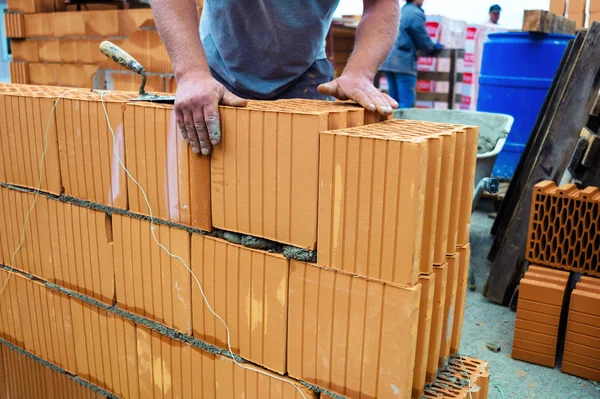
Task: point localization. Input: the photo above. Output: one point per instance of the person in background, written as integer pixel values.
(400, 67)
(494, 15)
(267, 50)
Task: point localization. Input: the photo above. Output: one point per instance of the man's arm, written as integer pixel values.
(418, 32)
(198, 93)
(375, 36)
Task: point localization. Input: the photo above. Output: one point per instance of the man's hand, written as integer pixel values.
(360, 89)
(197, 110)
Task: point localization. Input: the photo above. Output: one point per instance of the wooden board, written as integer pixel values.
(541, 21)
(548, 153)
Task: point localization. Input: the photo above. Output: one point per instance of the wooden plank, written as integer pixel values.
(552, 101)
(541, 21)
(549, 160)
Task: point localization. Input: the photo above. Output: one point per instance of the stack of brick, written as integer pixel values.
(564, 234)
(582, 342)
(581, 11)
(298, 178)
(53, 46)
(541, 296)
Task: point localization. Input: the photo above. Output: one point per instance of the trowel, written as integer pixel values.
(121, 57)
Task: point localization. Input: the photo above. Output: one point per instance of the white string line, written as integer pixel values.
(152, 228)
(468, 376)
(37, 190)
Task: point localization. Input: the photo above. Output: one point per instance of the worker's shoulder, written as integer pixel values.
(412, 11)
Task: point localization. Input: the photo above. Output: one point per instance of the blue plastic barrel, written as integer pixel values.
(516, 72)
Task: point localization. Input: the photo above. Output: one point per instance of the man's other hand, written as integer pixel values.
(361, 90)
(197, 110)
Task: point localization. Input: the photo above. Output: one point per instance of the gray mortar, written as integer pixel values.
(492, 127)
(160, 328)
(290, 252)
(54, 367)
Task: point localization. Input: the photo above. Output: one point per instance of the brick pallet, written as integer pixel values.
(88, 246)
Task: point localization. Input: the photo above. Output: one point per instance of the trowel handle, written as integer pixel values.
(122, 58)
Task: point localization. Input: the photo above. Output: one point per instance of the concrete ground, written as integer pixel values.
(485, 322)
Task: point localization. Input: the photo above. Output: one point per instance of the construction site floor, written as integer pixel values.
(488, 323)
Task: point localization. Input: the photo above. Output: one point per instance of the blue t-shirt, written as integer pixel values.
(261, 46)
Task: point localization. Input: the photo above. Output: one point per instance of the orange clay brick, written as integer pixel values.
(24, 120)
(44, 74)
(176, 181)
(123, 81)
(89, 157)
(360, 210)
(461, 297)
(563, 228)
(84, 51)
(582, 360)
(25, 50)
(549, 271)
(584, 318)
(580, 349)
(580, 371)
(457, 187)
(268, 186)
(336, 225)
(437, 321)
(28, 311)
(14, 25)
(19, 72)
(23, 377)
(585, 302)
(145, 46)
(64, 244)
(449, 308)
(424, 333)
(248, 288)
(101, 23)
(533, 357)
(467, 186)
(533, 346)
(450, 383)
(130, 20)
(382, 329)
(537, 327)
(69, 24)
(540, 291)
(148, 281)
(49, 50)
(541, 338)
(234, 382)
(39, 25)
(170, 368)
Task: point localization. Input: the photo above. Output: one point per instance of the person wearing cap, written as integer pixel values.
(494, 15)
(400, 67)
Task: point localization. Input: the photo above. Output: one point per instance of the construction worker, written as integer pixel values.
(266, 49)
(494, 16)
(400, 67)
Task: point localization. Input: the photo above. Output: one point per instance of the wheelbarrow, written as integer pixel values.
(493, 130)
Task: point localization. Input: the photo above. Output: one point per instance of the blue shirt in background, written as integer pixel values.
(260, 47)
(412, 37)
